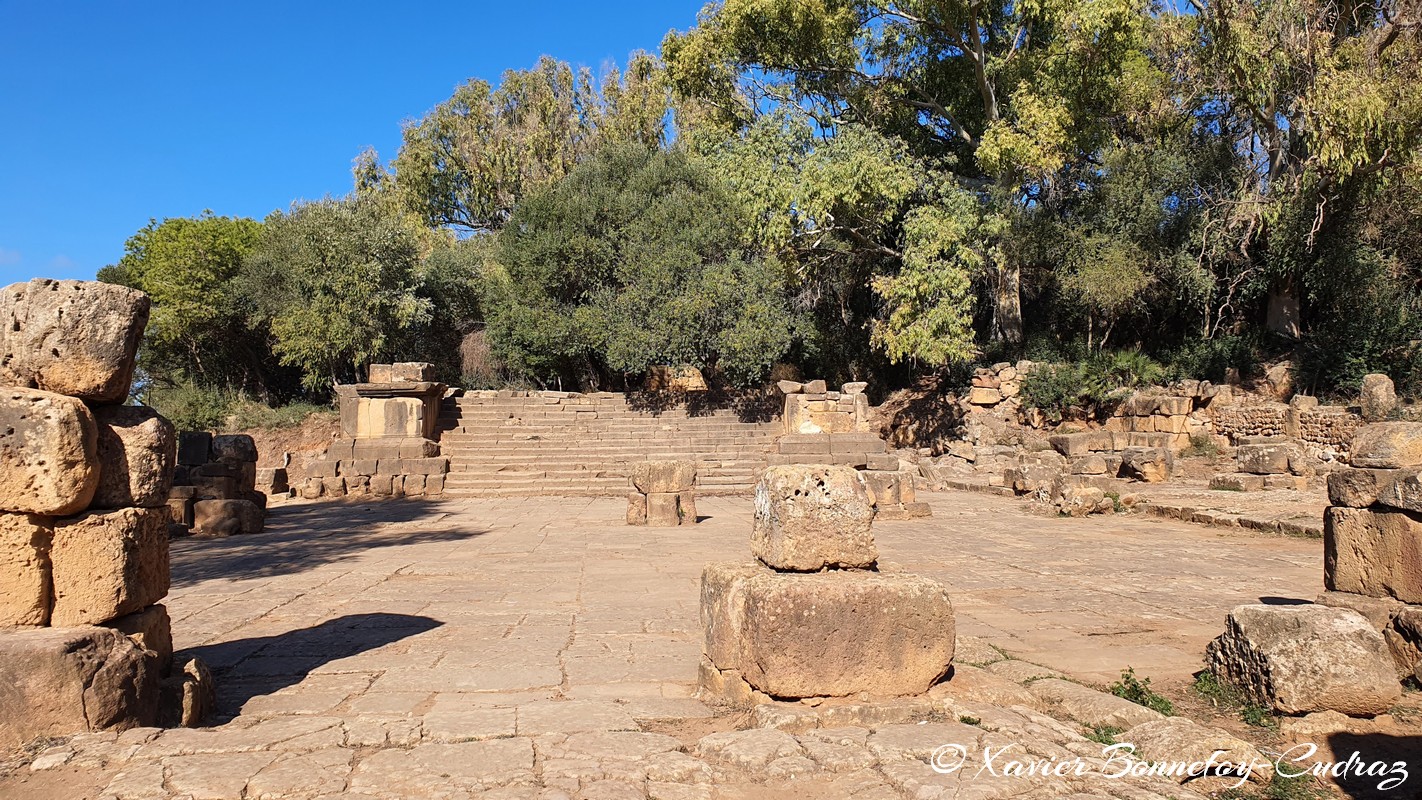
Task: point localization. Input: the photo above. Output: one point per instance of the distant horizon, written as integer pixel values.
(140, 114)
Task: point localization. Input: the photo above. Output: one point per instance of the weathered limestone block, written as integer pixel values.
(1387, 445)
(238, 447)
(663, 476)
(832, 633)
(984, 396)
(1264, 459)
(188, 696)
(816, 387)
(664, 509)
(1237, 482)
(1404, 639)
(48, 453)
(884, 488)
(273, 480)
(1358, 488)
(180, 504)
(108, 563)
(854, 387)
(1180, 740)
(137, 450)
(227, 517)
(1031, 478)
(902, 511)
(687, 501)
(1147, 464)
(58, 681)
(1378, 397)
(1296, 482)
(24, 570)
(1403, 490)
(76, 338)
(1301, 659)
(636, 508)
(1373, 552)
(808, 517)
(150, 629)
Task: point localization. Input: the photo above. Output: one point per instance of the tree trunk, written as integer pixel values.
(1007, 304)
(1284, 315)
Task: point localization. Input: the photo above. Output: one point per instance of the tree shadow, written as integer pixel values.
(1390, 756)
(301, 537)
(248, 668)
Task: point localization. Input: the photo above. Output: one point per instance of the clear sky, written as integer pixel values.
(112, 112)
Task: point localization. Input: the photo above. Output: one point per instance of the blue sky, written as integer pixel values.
(115, 112)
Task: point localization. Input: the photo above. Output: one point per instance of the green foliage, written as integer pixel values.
(335, 280)
(1138, 691)
(1092, 382)
(634, 259)
(1223, 695)
(1104, 734)
(1202, 445)
(191, 407)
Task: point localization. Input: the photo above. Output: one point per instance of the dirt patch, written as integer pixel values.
(302, 441)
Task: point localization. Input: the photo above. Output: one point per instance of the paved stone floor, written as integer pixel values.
(538, 647)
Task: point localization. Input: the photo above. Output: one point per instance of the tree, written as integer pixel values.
(198, 330)
(636, 258)
(999, 95)
(336, 281)
(468, 162)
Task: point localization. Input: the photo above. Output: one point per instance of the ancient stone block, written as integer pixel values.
(1404, 639)
(358, 484)
(1387, 445)
(811, 517)
(1147, 464)
(188, 696)
(1263, 459)
(663, 476)
(333, 487)
(984, 396)
(413, 485)
(380, 373)
(815, 387)
(411, 371)
(150, 629)
(194, 448)
(1301, 659)
(108, 563)
(238, 447)
(1358, 488)
(636, 508)
(215, 487)
(434, 485)
(854, 387)
(180, 509)
(59, 681)
(789, 387)
(1378, 397)
(425, 466)
(24, 570)
(1088, 465)
(273, 480)
(1295, 482)
(76, 338)
(882, 487)
(321, 468)
(827, 634)
(137, 449)
(687, 502)
(227, 517)
(856, 442)
(1237, 482)
(902, 511)
(663, 509)
(48, 450)
(1379, 611)
(1373, 552)
(312, 488)
(804, 444)
(362, 466)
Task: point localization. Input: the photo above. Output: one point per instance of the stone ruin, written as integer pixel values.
(813, 615)
(215, 485)
(824, 427)
(85, 643)
(387, 446)
(1267, 462)
(663, 494)
(1350, 650)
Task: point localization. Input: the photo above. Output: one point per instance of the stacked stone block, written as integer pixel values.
(812, 615)
(1166, 415)
(1349, 651)
(215, 485)
(387, 449)
(663, 494)
(84, 642)
(1142, 456)
(1324, 428)
(811, 408)
(1266, 462)
(996, 384)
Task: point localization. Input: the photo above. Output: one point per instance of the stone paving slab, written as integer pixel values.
(541, 648)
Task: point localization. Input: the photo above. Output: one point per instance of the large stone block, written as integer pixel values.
(1301, 659)
(58, 681)
(1402, 490)
(1387, 445)
(1147, 464)
(108, 563)
(150, 629)
(833, 633)
(1358, 488)
(663, 476)
(48, 453)
(1263, 459)
(227, 517)
(24, 570)
(1373, 552)
(238, 447)
(75, 338)
(664, 509)
(808, 517)
(1378, 397)
(137, 451)
(194, 448)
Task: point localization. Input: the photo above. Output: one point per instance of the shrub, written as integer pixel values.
(1138, 691)
(1095, 382)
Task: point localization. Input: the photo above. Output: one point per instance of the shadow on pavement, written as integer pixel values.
(301, 537)
(1380, 757)
(247, 668)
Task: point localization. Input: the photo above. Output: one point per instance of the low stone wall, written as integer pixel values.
(1329, 427)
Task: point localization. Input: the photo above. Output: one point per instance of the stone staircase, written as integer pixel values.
(563, 443)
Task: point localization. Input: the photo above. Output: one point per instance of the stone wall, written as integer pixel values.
(1324, 427)
(85, 643)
